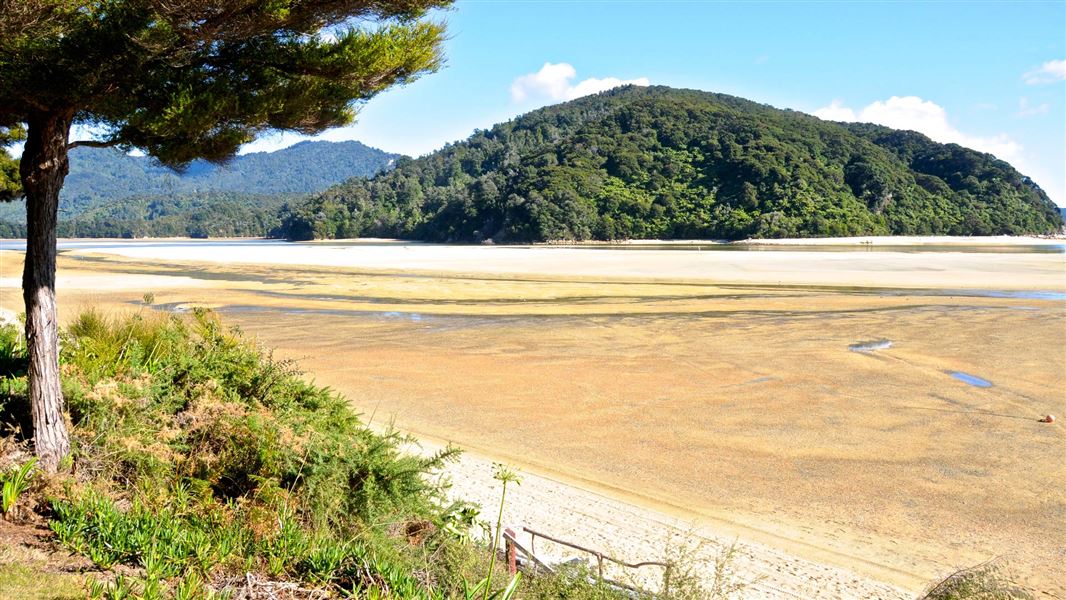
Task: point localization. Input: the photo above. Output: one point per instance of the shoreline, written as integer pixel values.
(884, 240)
(791, 266)
(635, 528)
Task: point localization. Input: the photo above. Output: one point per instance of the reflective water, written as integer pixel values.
(85, 244)
(871, 346)
(970, 379)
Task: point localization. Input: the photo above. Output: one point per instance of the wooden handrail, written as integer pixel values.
(600, 557)
(597, 553)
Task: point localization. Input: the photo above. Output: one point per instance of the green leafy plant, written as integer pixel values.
(122, 588)
(505, 476)
(481, 588)
(15, 482)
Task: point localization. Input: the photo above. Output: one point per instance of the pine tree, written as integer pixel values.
(179, 80)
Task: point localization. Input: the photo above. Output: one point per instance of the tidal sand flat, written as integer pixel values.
(720, 388)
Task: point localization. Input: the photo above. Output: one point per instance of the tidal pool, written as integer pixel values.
(871, 346)
(970, 379)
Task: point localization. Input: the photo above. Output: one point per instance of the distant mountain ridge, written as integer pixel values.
(657, 162)
(101, 179)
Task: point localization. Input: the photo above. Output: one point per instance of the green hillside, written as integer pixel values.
(670, 164)
(207, 215)
(102, 181)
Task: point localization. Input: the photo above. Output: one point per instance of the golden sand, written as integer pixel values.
(718, 388)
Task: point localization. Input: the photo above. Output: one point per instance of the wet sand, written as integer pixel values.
(716, 387)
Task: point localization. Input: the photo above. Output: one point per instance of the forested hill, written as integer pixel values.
(243, 195)
(664, 163)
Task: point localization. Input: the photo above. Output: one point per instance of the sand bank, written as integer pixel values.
(1013, 271)
(914, 240)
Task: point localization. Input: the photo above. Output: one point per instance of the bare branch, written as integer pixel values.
(92, 144)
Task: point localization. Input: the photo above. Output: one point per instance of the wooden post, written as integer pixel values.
(512, 555)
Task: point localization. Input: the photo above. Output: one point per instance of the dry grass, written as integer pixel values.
(30, 571)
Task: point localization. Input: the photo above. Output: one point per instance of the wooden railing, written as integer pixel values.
(513, 546)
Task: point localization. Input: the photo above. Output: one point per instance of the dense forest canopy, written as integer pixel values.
(664, 163)
(205, 215)
(112, 194)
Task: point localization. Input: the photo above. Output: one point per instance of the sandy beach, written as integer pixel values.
(795, 266)
(649, 392)
(635, 533)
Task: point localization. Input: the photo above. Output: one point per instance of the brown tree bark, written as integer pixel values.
(43, 168)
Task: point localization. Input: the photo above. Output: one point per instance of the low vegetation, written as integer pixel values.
(987, 581)
(204, 468)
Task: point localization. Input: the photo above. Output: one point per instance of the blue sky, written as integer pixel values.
(989, 75)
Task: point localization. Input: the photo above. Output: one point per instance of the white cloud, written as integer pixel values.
(836, 111)
(1028, 110)
(556, 82)
(551, 80)
(1049, 72)
(595, 86)
(923, 116)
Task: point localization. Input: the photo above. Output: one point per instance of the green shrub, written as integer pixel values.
(198, 456)
(166, 399)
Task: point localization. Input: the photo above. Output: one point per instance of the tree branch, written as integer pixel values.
(91, 144)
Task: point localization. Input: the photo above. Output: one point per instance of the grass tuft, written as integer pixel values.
(987, 581)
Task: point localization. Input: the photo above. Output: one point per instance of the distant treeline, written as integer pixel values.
(112, 194)
(212, 215)
(665, 163)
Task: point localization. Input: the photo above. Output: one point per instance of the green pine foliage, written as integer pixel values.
(673, 164)
(191, 79)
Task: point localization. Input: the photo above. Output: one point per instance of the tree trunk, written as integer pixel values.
(43, 168)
